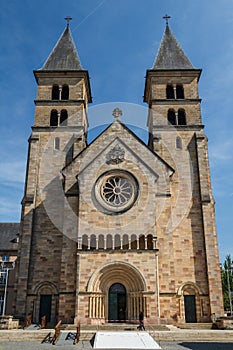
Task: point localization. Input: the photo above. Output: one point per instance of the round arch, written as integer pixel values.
(99, 290)
(120, 272)
(190, 302)
(45, 287)
(188, 287)
(45, 302)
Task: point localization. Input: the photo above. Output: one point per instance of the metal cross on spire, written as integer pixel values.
(166, 17)
(68, 19)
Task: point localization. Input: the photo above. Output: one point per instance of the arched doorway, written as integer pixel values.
(117, 303)
(45, 303)
(190, 303)
(129, 287)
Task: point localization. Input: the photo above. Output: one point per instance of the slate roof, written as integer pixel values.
(170, 54)
(9, 233)
(64, 55)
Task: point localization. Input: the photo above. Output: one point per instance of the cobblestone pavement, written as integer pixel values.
(165, 346)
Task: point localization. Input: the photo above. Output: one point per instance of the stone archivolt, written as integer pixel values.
(106, 276)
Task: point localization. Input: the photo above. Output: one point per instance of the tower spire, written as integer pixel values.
(170, 54)
(64, 56)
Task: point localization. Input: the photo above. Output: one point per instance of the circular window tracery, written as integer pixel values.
(116, 191)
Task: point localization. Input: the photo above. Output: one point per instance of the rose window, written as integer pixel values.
(116, 191)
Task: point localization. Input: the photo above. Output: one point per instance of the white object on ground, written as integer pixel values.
(124, 340)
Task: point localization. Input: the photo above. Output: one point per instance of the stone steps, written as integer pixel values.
(114, 327)
(25, 335)
(84, 336)
(173, 335)
(195, 326)
(187, 335)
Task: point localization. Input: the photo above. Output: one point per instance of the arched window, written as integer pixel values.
(54, 118)
(150, 242)
(84, 242)
(171, 117)
(117, 242)
(57, 143)
(109, 242)
(170, 92)
(142, 242)
(178, 142)
(55, 92)
(133, 242)
(179, 92)
(125, 242)
(63, 118)
(93, 242)
(181, 117)
(101, 242)
(65, 92)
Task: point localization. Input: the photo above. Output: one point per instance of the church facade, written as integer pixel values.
(117, 226)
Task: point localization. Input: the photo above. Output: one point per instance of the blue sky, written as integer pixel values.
(117, 41)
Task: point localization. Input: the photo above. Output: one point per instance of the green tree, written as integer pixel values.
(227, 282)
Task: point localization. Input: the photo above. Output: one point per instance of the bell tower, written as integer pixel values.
(176, 133)
(58, 135)
(63, 91)
(171, 91)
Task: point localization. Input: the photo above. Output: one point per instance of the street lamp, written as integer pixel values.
(6, 266)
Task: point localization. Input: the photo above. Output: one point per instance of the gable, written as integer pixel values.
(118, 134)
(117, 174)
(117, 177)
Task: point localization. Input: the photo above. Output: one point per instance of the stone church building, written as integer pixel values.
(117, 226)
